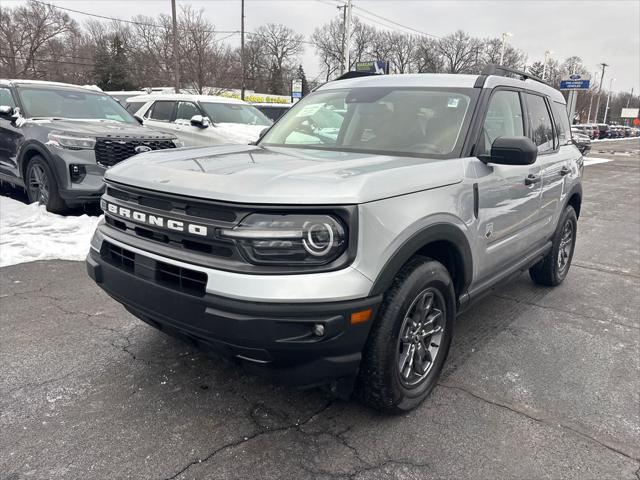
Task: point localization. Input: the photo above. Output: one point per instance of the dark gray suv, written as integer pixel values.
(57, 140)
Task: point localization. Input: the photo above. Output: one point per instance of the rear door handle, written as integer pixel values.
(532, 179)
(565, 171)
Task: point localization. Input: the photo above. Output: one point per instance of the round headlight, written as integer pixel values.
(318, 238)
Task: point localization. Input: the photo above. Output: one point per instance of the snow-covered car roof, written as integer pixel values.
(183, 96)
(45, 83)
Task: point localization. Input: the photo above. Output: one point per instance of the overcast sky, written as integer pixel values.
(595, 30)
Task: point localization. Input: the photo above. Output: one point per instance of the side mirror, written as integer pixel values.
(263, 132)
(138, 118)
(6, 111)
(513, 151)
(200, 121)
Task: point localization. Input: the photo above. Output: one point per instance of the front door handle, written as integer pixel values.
(565, 171)
(531, 179)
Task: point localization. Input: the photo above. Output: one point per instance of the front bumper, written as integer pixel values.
(274, 339)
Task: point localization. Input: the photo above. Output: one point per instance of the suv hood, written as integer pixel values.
(254, 174)
(97, 128)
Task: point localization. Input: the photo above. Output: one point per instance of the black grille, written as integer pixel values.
(171, 276)
(110, 151)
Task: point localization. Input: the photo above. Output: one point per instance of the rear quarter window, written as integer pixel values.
(562, 123)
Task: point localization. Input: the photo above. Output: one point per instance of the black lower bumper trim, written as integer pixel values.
(273, 339)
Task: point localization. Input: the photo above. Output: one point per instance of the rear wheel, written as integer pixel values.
(553, 268)
(410, 340)
(42, 186)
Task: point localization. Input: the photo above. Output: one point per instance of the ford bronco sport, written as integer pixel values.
(339, 251)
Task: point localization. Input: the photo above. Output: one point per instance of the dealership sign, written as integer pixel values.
(375, 66)
(296, 89)
(574, 82)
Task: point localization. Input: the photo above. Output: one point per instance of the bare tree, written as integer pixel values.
(25, 32)
(426, 56)
(402, 53)
(282, 47)
(492, 49)
(460, 53)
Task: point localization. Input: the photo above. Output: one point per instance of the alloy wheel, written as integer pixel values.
(420, 337)
(38, 184)
(566, 245)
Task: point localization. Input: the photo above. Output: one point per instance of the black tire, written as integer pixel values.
(552, 269)
(380, 383)
(42, 187)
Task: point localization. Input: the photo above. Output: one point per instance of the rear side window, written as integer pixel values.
(133, 107)
(504, 119)
(562, 123)
(162, 111)
(540, 121)
(6, 99)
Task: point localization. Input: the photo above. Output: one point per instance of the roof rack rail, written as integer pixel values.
(493, 69)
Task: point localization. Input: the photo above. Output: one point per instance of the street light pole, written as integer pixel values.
(606, 110)
(591, 101)
(544, 64)
(504, 44)
(176, 56)
(595, 118)
(242, 61)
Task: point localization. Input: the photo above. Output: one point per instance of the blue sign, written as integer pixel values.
(296, 94)
(574, 85)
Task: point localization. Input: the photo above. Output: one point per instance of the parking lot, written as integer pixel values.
(540, 383)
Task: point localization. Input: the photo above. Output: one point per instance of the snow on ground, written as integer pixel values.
(594, 161)
(29, 232)
(238, 132)
(614, 139)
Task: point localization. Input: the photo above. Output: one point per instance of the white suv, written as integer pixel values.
(200, 120)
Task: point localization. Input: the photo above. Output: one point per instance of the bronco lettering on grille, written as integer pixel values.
(157, 221)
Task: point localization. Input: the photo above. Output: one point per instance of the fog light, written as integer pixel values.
(77, 172)
(318, 330)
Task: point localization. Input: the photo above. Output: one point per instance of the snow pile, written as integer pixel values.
(29, 232)
(239, 132)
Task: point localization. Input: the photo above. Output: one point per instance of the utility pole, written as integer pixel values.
(347, 35)
(176, 55)
(504, 44)
(604, 65)
(344, 33)
(606, 110)
(242, 60)
(544, 64)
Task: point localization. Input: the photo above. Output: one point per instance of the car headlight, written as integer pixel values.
(71, 142)
(289, 239)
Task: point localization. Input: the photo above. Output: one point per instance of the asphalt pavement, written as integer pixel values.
(540, 382)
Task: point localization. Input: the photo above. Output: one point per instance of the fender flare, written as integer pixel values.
(576, 189)
(433, 233)
(33, 145)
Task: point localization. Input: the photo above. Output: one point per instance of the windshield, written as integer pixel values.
(76, 104)
(377, 120)
(235, 113)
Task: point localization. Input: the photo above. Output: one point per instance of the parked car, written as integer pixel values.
(344, 259)
(273, 110)
(588, 129)
(582, 141)
(201, 120)
(57, 140)
(603, 131)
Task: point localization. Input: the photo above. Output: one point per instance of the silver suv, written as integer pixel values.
(339, 249)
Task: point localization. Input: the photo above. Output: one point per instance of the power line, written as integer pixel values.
(419, 32)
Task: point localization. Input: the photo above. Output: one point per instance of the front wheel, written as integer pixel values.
(553, 268)
(410, 339)
(42, 186)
